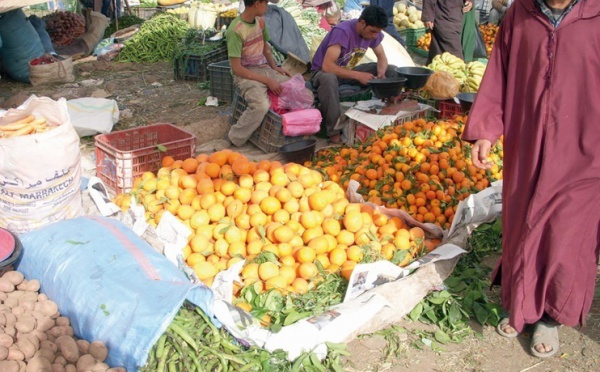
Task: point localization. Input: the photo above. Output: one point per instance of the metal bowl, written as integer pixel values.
(388, 87)
(298, 152)
(466, 100)
(416, 77)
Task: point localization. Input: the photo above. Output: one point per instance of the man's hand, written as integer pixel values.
(429, 25)
(479, 154)
(282, 71)
(364, 77)
(381, 72)
(467, 7)
(274, 86)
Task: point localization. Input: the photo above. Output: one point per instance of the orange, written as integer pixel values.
(212, 170)
(277, 282)
(185, 212)
(305, 254)
(246, 180)
(254, 247)
(242, 194)
(270, 205)
(260, 176)
(267, 270)
(319, 244)
(307, 270)
(283, 234)
(205, 186)
(204, 270)
(318, 200)
(300, 285)
(234, 234)
(296, 189)
(190, 165)
(288, 272)
(417, 233)
(347, 268)
(310, 234)
(234, 208)
(354, 253)
(216, 212)
(308, 220)
(345, 237)
(353, 221)
(186, 196)
(167, 161)
(338, 256)
(236, 248)
(258, 196)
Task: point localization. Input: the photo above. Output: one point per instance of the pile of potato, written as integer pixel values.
(34, 337)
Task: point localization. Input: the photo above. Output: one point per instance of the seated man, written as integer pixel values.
(335, 62)
(254, 69)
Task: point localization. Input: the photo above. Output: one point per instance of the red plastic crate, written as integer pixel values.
(122, 156)
(449, 108)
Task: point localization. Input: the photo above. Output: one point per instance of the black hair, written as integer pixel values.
(375, 16)
(249, 3)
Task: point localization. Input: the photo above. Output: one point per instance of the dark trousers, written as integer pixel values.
(327, 86)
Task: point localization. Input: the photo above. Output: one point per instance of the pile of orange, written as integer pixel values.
(286, 221)
(420, 166)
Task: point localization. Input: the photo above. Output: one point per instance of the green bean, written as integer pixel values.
(184, 335)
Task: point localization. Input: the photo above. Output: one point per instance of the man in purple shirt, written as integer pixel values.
(336, 59)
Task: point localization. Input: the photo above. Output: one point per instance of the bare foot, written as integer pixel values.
(544, 342)
(507, 328)
(543, 348)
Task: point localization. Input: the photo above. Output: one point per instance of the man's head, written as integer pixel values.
(259, 7)
(371, 22)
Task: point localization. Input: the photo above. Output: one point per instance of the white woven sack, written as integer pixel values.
(40, 174)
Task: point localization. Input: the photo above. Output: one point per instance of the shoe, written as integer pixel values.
(545, 333)
(499, 329)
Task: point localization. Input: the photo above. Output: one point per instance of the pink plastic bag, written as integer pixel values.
(294, 96)
(301, 122)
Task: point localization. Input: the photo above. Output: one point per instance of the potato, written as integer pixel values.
(6, 340)
(15, 354)
(60, 331)
(39, 364)
(25, 325)
(26, 347)
(9, 366)
(22, 286)
(68, 348)
(3, 352)
(22, 366)
(60, 360)
(47, 307)
(58, 368)
(6, 285)
(31, 338)
(100, 367)
(63, 321)
(2, 319)
(28, 297)
(46, 344)
(33, 285)
(117, 369)
(11, 319)
(11, 302)
(85, 362)
(42, 297)
(4, 308)
(70, 368)
(3, 296)
(47, 354)
(14, 277)
(41, 336)
(45, 324)
(99, 350)
(84, 346)
(11, 331)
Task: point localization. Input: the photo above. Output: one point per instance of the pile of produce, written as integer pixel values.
(308, 20)
(124, 22)
(64, 27)
(296, 231)
(468, 75)
(148, 4)
(424, 41)
(24, 126)
(422, 167)
(35, 337)
(407, 17)
(488, 31)
(157, 40)
(193, 343)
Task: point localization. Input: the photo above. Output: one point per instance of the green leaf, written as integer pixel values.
(441, 336)
(481, 313)
(161, 148)
(436, 300)
(74, 242)
(415, 313)
(295, 316)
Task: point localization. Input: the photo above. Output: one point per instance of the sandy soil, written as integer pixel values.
(148, 93)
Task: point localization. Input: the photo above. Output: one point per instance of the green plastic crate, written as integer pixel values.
(411, 35)
(418, 51)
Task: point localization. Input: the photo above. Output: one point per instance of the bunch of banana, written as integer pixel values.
(475, 71)
(449, 63)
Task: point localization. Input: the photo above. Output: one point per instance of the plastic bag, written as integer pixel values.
(301, 122)
(480, 50)
(442, 85)
(294, 95)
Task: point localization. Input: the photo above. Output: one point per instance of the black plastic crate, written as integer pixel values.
(221, 81)
(195, 68)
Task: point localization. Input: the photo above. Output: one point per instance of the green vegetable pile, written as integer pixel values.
(193, 343)
(157, 40)
(124, 22)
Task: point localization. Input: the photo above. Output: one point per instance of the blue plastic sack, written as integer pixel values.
(112, 285)
(40, 27)
(20, 44)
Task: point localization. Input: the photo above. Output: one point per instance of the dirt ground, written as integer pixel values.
(148, 93)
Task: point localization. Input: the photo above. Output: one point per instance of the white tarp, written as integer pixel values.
(8, 5)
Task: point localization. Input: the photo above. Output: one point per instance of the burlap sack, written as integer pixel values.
(96, 24)
(57, 72)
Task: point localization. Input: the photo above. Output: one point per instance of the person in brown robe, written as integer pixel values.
(540, 91)
(444, 19)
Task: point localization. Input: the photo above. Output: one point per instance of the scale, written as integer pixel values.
(393, 92)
